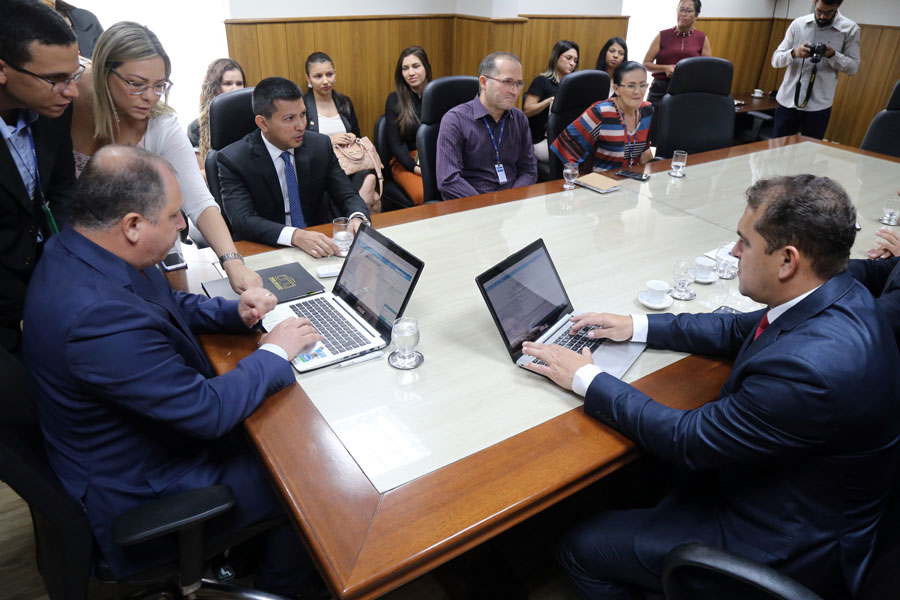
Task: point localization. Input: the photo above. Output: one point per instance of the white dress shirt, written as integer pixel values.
(842, 35)
(284, 238)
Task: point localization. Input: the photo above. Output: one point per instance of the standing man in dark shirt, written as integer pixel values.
(485, 145)
(38, 70)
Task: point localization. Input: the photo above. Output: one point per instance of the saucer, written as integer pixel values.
(711, 279)
(757, 95)
(644, 298)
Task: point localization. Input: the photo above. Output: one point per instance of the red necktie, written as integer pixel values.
(762, 325)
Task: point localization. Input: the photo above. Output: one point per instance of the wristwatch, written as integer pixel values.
(229, 256)
(361, 216)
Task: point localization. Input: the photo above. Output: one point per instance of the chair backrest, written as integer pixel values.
(440, 96)
(63, 538)
(212, 182)
(884, 132)
(576, 93)
(230, 117)
(700, 572)
(381, 146)
(697, 112)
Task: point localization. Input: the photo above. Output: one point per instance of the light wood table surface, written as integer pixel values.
(367, 542)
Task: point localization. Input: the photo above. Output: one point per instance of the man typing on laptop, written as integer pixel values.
(794, 462)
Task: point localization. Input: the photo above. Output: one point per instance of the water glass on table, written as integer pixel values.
(683, 274)
(679, 161)
(891, 211)
(342, 235)
(570, 174)
(405, 337)
(726, 263)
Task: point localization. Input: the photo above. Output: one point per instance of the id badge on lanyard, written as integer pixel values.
(39, 192)
(498, 165)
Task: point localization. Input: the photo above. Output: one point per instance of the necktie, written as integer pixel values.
(290, 177)
(762, 325)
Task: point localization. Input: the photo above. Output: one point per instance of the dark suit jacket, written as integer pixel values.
(882, 278)
(794, 461)
(129, 404)
(20, 217)
(252, 195)
(351, 123)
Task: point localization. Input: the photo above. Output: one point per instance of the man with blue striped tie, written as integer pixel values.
(281, 178)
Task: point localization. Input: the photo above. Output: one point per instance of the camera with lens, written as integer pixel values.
(816, 51)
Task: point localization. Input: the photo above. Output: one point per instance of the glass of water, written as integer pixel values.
(570, 173)
(726, 263)
(684, 274)
(679, 160)
(342, 235)
(405, 337)
(891, 211)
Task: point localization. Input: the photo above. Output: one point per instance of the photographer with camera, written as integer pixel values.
(814, 49)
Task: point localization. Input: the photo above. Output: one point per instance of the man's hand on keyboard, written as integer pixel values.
(618, 328)
(293, 335)
(561, 363)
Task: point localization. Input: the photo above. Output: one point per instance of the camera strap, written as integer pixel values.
(812, 80)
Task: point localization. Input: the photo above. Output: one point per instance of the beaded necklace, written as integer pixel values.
(683, 35)
(630, 137)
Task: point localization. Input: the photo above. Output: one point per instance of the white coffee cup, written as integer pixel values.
(757, 93)
(705, 267)
(657, 290)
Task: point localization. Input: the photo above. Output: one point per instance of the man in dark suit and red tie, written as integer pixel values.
(793, 464)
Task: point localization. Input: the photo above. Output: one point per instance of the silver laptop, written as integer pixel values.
(355, 318)
(528, 302)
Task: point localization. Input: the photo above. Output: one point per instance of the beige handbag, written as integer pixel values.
(360, 156)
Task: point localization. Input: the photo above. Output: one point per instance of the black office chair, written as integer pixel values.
(576, 93)
(884, 132)
(700, 572)
(440, 96)
(697, 112)
(393, 196)
(65, 548)
(230, 118)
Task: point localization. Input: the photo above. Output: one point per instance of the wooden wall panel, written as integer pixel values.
(770, 77)
(741, 41)
(243, 46)
(471, 41)
(273, 57)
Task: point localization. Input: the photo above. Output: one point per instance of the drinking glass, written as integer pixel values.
(726, 263)
(405, 337)
(342, 235)
(684, 274)
(570, 173)
(891, 211)
(679, 160)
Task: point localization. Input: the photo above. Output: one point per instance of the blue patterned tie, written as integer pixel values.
(290, 177)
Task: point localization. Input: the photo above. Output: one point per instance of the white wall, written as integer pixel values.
(870, 12)
(572, 7)
(261, 9)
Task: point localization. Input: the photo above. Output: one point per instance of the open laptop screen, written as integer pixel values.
(377, 278)
(524, 295)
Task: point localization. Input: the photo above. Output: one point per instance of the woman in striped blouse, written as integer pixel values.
(612, 133)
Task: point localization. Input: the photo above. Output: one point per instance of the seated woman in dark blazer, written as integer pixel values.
(331, 113)
(542, 91)
(402, 115)
(613, 54)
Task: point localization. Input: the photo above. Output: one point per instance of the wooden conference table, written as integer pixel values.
(370, 528)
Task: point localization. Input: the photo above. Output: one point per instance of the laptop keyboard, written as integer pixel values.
(339, 333)
(575, 342)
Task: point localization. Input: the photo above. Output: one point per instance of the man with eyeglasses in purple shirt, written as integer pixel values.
(484, 145)
(38, 70)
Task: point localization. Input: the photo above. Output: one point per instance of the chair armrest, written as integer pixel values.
(738, 568)
(171, 514)
(760, 115)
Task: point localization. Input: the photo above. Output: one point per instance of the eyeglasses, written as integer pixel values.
(686, 11)
(826, 13)
(139, 87)
(58, 83)
(633, 87)
(509, 83)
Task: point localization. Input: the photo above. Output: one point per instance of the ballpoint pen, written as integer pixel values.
(364, 358)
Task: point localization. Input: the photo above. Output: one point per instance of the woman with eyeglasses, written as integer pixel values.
(120, 104)
(671, 45)
(402, 115)
(330, 112)
(613, 54)
(542, 91)
(612, 133)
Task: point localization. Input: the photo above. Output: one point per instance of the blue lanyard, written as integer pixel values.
(38, 189)
(497, 142)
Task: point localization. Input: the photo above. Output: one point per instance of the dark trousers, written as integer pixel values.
(789, 121)
(598, 555)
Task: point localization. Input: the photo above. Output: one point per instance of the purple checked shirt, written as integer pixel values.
(465, 153)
